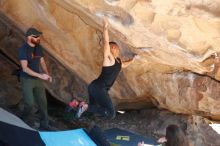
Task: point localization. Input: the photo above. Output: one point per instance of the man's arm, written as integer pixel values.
(43, 65)
(44, 68)
(26, 69)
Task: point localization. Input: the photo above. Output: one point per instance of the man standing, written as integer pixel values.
(31, 58)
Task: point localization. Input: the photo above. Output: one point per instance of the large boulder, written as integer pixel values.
(176, 42)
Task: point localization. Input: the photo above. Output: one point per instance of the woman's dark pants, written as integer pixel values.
(100, 101)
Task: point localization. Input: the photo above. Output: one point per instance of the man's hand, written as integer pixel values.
(44, 77)
(50, 79)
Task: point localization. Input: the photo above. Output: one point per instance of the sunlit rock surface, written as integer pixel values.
(175, 40)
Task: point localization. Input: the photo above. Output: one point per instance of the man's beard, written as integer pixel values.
(36, 42)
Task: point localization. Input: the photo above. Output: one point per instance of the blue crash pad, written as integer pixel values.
(76, 137)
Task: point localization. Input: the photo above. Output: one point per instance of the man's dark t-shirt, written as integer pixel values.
(32, 55)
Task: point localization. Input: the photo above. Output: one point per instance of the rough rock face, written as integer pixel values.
(175, 40)
(9, 95)
(10, 92)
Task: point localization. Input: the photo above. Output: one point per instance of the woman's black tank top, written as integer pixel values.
(109, 74)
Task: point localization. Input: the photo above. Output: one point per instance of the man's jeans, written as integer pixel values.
(33, 89)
